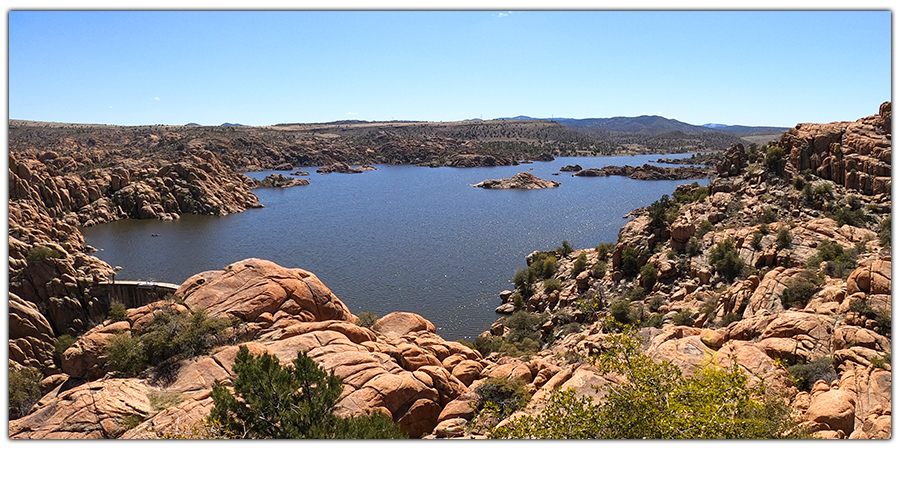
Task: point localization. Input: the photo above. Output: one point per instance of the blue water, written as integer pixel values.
(400, 238)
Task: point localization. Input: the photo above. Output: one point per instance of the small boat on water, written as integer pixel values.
(154, 235)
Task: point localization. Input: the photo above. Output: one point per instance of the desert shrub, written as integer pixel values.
(657, 210)
(800, 289)
(366, 319)
(171, 334)
(849, 212)
(41, 253)
(580, 264)
(487, 345)
(504, 394)
(603, 250)
(656, 302)
(704, 227)
(598, 270)
(768, 216)
(729, 318)
(775, 160)
(649, 274)
(881, 361)
(783, 239)
(757, 239)
(621, 311)
(117, 312)
(548, 267)
(805, 375)
(725, 259)
(565, 249)
(881, 316)
(694, 247)
(630, 261)
(125, 355)
(552, 285)
(764, 229)
(655, 321)
(24, 390)
(884, 232)
(60, 345)
(637, 294)
(799, 183)
(839, 262)
(289, 402)
(685, 317)
(518, 301)
(658, 402)
(522, 324)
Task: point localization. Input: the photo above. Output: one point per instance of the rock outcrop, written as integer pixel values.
(280, 181)
(522, 180)
(647, 172)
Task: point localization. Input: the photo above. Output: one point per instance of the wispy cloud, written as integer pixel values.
(156, 98)
(352, 113)
(502, 14)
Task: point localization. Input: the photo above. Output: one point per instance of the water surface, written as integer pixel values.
(400, 238)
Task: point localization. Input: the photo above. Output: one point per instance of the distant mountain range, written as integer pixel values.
(650, 125)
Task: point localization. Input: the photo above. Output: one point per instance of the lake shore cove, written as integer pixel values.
(780, 268)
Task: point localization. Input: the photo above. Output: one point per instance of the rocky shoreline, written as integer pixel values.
(708, 274)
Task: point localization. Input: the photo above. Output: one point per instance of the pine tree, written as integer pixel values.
(290, 402)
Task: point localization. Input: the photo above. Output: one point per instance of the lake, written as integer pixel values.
(400, 238)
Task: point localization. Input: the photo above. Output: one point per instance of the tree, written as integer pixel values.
(290, 402)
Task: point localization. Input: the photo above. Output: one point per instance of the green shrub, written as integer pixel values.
(603, 250)
(783, 239)
(506, 395)
(271, 401)
(775, 160)
(658, 402)
(757, 239)
(160, 400)
(565, 249)
(621, 311)
(40, 254)
(580, 264)
(726, 259)
(657, 210)
(849, 212)
(884, 232)
(598, 270)
(649, 274)
(805, 375)
(117, 312)
(125, 355)
(799, 183)
(656, 302)
(656, 321)
(518, 301)
(24, 390)
(704, 227)
(637, 294)
(366, 319)
(839, 262)
(685, 317)
(768, 216)
(171, 334)
(800, 289)
(631, 264)
(694, 247)
(552, 285)
(522, 323)
(764, 229)
(487, 345)
(729, 318)
(62, 343)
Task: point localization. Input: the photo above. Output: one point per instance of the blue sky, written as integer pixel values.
(261, 68)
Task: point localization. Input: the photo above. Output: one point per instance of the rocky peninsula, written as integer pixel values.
(646, 172)
(780, 268)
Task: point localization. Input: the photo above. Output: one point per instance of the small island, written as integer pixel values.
(522, 180)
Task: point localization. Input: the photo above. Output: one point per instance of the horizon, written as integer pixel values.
(261, 68)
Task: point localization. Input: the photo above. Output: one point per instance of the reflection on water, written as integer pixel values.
(401, 238)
